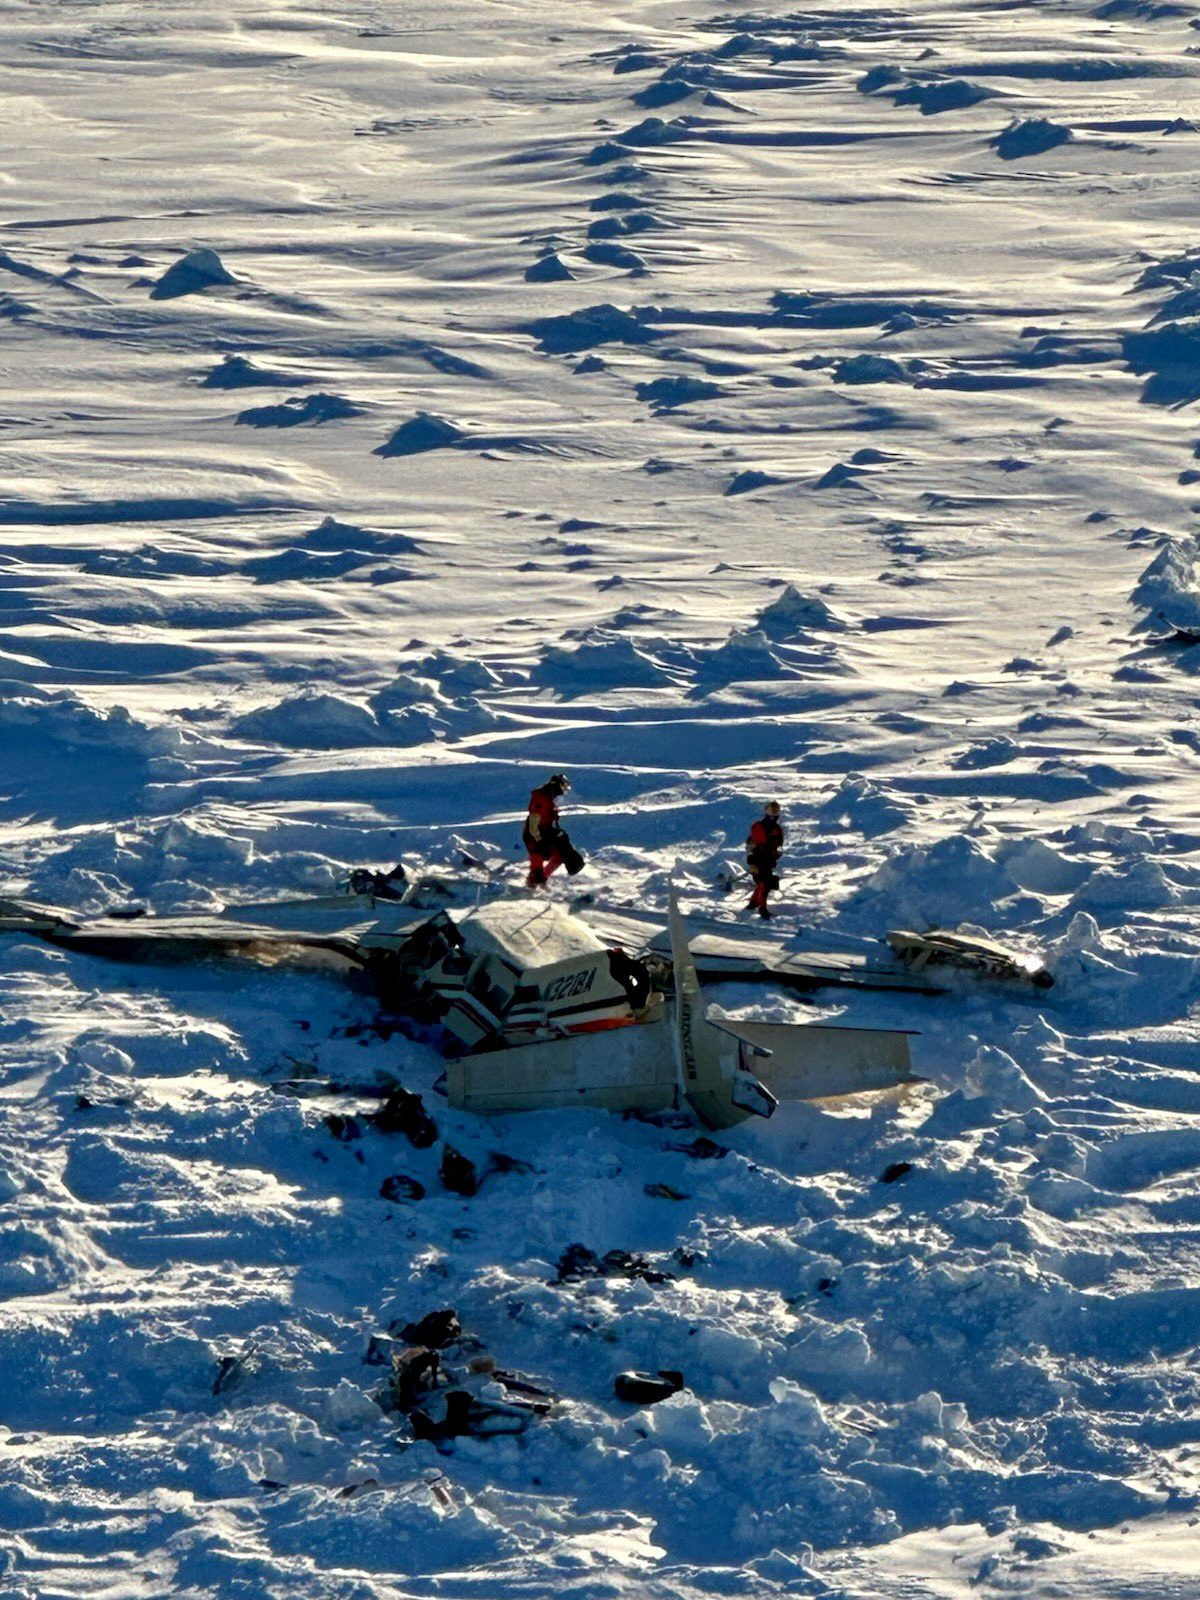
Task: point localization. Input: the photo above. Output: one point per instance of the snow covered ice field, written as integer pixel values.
(405, 400)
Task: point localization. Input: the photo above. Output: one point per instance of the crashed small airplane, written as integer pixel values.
(724, 1070)
(541, 1007)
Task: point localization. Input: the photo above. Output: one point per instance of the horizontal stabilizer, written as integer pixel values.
(810, 1062)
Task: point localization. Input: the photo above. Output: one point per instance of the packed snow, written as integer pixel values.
(406, 401)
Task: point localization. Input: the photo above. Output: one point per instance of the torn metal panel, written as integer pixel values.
(968, 952)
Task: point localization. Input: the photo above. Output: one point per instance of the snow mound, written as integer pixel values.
(832, 310)
(950, 94)
(842, 475)
(995, 752)
(1032, 136)
(1169, 589)
(298, 410)
(882, 76)
(456, 674)
(608, 253)
(420, 433)
(862, 805)
(1037, 866)
(191, 274)
(869, 369)
(667, 91)
(749, 480)
(616, 227)
(654, 131)
(1171, 271)
(549, 268)
(239, 372)
(793, 613)
(746, 656)
(1139, 885)
(311, 720)
(938, 885)
(34, 721)
(994, 1073)
(415, 706)
(601, 659)
(1185, 302)
(665, 394)
(337, 537)
(589, 327)
(1168, 354)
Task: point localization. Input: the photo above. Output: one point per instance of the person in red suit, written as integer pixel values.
(764, 846)
(542, 836)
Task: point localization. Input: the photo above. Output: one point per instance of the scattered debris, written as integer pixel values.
(399, 1186)
(444, 1402)
(232, 1369)
(499, 1162)
(379, 885)
(305, 1088)
(702, 1149)
(361, 1487)
(379, 1351)
(458, 1173)
(890, 1173)
(404, 1112)
(645, 1388)
(436, 1329)
(116, 1102)
(458, 1412)
(577, 1262)
(414, 1373)
(664, 1191)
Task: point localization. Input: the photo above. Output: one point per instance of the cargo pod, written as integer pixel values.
(622, 1069)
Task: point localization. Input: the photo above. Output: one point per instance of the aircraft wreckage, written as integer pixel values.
(542, 1007)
